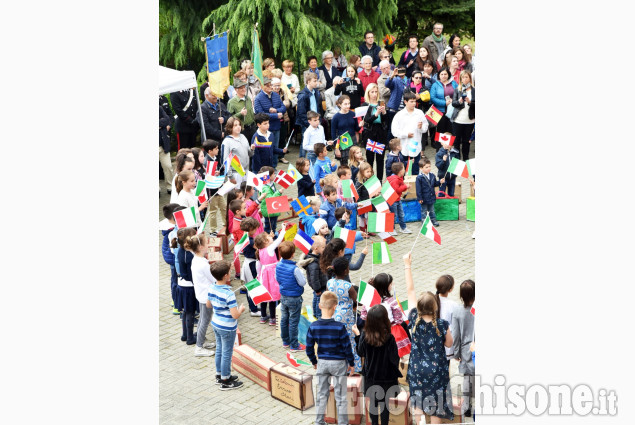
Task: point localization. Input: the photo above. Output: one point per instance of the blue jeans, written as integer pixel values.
(316, 306)
(290, 308)
(274, 144)
(397, 209)
(224, 350)
(270, 223)
(428, 208)
(173, 281)
(311, 156)
(303, 153)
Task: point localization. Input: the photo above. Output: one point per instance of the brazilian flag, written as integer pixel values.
(345, 141)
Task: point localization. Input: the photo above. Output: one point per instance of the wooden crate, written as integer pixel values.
(399, 409)
(253, 365)
(239, 338)
(354, 398)
(223, 240)
(291, 386)
(411, 193)
(214, 257)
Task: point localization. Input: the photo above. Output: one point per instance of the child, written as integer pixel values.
(249, 270)
(447, 307)
(315, 277)
(217, 205)
(252, 208)
(322, 167)
(394, 155)
(335, 356)
(335, 249)
(332, 202)
(269, 191)
(167, 226)
(397, 183)
(306, 185)
(321, 228)
(428, 368)
(199, 158)
(291, 281)
(237, 207)
(426, 193)
(344, 311)
(342, 215)
(266, 255)
(262, 142)
(312, 136)
(185, 185)
(344, 173)
(224, 321)
(365, 172)
(308, 220)
(381, 362)
(442, 161)
(202, 280)
(342, 122)
(355, 159)
(186, 297)
(232, 195)
(463, 331)
(183, 163)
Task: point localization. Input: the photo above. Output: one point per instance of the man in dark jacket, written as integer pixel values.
(164, 147)
(309, 99)
(215, 116)
(186, 109)
(370, 48)
(269, 102)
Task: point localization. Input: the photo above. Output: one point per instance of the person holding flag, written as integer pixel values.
(375, 128)
(408, 125)
(235, 144)
(344, 128)
(397, 183)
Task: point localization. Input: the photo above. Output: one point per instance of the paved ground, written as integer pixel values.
(187, 392)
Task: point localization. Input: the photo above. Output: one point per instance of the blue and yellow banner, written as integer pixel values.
(217, 63)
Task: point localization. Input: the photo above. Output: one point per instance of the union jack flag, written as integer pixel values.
(375, 147)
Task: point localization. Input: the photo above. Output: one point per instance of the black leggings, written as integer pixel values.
(379, 395)
(187, 322)
(272, 309)
(463, 132)
(371, 157)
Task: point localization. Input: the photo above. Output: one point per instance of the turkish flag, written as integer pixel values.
(277, 205)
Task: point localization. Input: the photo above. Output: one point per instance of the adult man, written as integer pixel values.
(408, 125)
(370, 48)
(270, 103)
(368, 75)
(435, 42)
(386, 71)
(328, 69)
(240, 106)
(164, 147)
(186, 110)
(309, 99)
(408, 57)
(214, 116)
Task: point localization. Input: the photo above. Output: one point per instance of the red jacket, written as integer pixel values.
(397, 183)
(237, 233)
(367, 79)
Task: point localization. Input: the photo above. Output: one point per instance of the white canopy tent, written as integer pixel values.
(171, 80)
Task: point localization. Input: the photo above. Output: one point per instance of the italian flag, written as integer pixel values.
(346, 235)
(202, 227)
(364, 207)
(461, 168)
(389, 194)
(295, 362)
(404, 308)
(201, 193)
(429, 231)
(380, 204)
(372, 185)
(409, 167)
(186, 218)
(381, 222)
(381, 255)
(348, 189)
(258, 292)
(368, 295)
(243, 242)
(387, 237)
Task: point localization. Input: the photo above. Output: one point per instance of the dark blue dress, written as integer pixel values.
(428, 369)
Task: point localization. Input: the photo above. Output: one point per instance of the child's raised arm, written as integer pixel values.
(271, 249)
(410, 286)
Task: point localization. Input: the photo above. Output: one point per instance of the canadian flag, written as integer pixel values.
(284, 179)
(445, 139)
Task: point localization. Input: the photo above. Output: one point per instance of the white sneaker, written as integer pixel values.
(209, 345)
(406, 231)
(203, 352)
(393, 233)
(254, 313)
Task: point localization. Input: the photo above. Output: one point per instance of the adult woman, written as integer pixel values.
(356, 61)
(313, 68)
(339, 60)
(424, 55)
(442, 90)
(468, 57)
(384, 55)
(454, 69)
(459, 53)
(285, 95)
(428, 78)
(464, 114)
(253, 84)
(455, 41)
(443, 61)
(416, 86)
(351, 86)
(236, 143)
(375, 128)
(269, 64)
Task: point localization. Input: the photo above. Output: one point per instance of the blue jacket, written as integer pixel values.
(165, 247)
(330, 211)
(319, 172)
(285, 276)
(263, 155)
(262, 103)
(304, 106)
(443, 165)
(184, 258)
(436, 94)
(425, 188)
(307, 222)
(391, 159)
(396, 86)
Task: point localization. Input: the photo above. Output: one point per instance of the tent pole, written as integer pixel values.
(200, 116)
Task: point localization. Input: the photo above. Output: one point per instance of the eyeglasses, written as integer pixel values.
(416, 78)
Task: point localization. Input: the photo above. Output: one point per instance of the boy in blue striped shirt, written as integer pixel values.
(221, 297)
(335, 357)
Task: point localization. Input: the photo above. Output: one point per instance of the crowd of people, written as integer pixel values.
(255, 122)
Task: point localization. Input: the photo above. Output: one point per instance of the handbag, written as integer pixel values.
(446, 207)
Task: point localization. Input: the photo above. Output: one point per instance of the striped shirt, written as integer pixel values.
(222, 298)
(332, 340)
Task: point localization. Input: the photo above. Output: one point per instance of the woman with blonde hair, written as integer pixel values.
(375, 128)
(463, 117)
